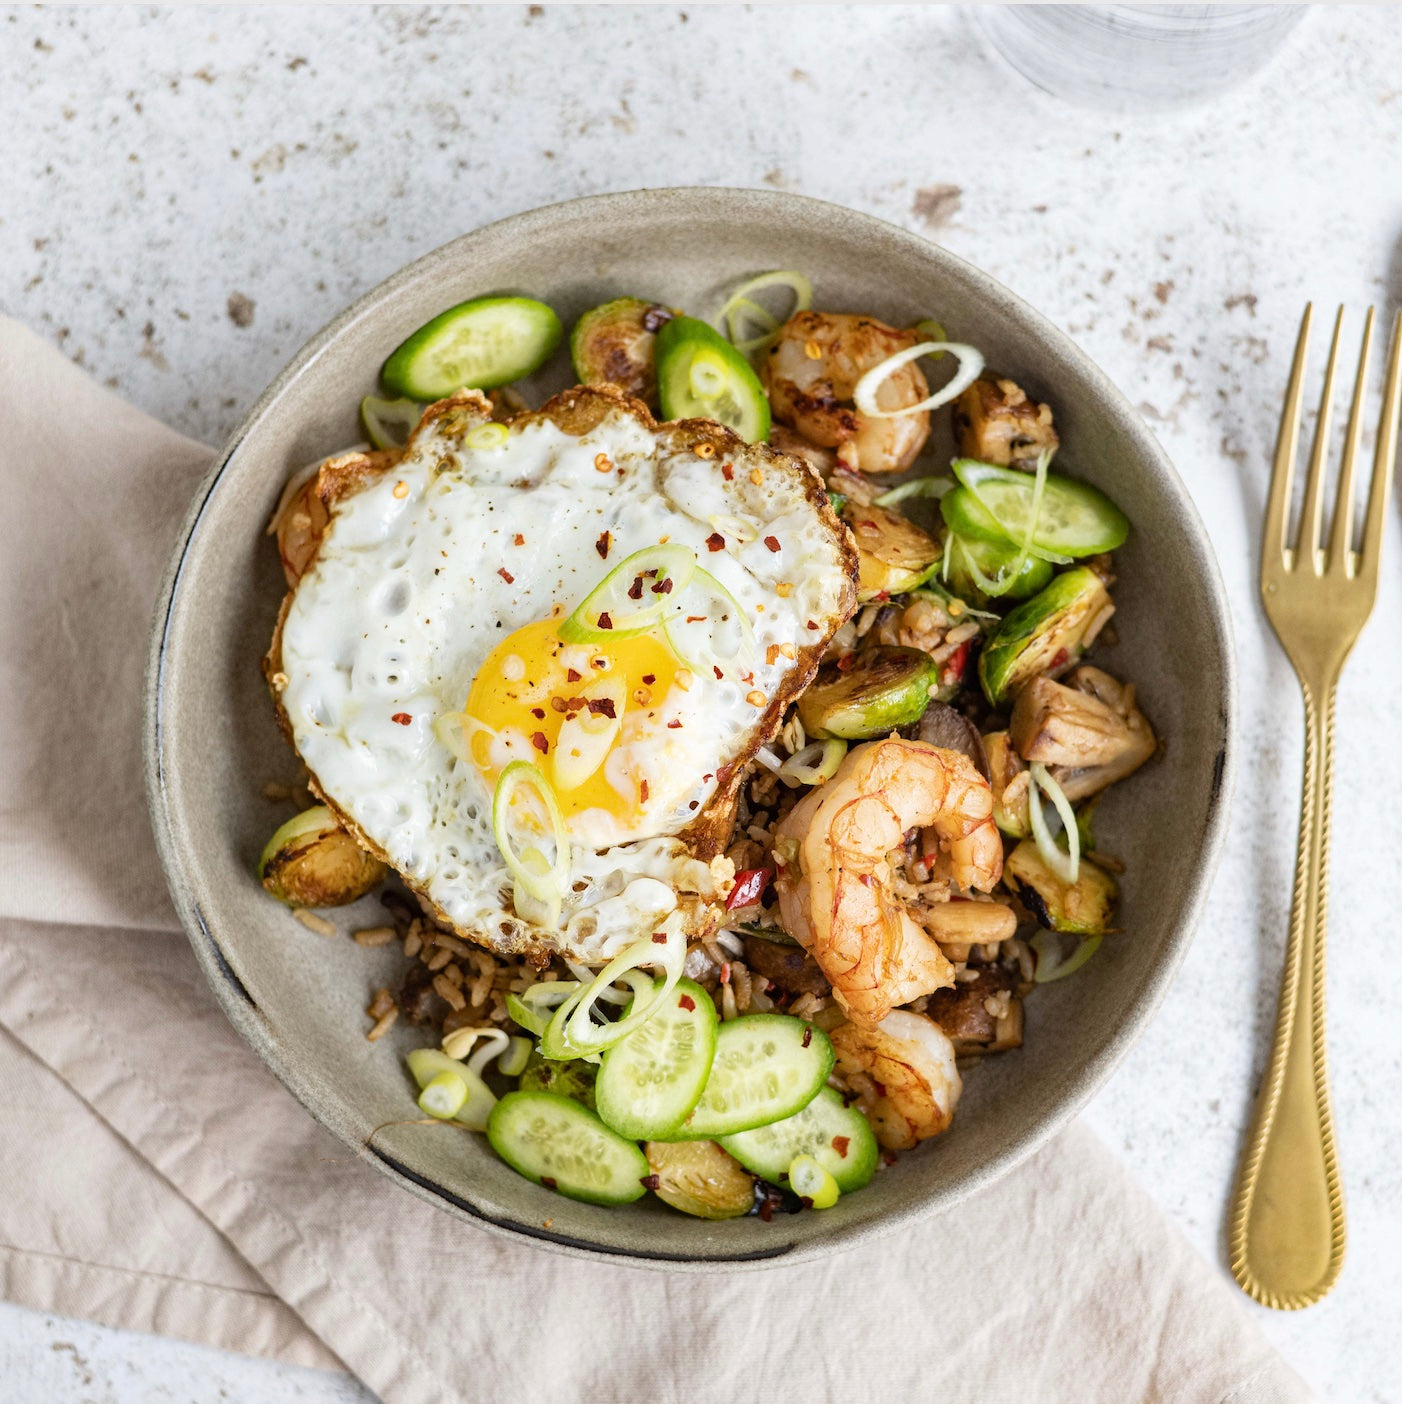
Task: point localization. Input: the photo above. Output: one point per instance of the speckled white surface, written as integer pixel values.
(189, 194)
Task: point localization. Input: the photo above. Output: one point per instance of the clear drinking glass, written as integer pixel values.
(1137, 58)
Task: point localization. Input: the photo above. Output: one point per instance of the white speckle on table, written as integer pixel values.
(191, 193)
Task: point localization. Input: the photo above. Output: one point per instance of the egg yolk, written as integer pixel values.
(568, 708)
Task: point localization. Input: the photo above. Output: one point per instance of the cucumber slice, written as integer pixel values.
(651, 1080)
(477, 345)
(766, 1068)
(837, 1136)
(1075, 518)
(700, 375)
(559, 1144)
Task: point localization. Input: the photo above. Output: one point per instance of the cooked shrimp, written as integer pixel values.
(904, 1074)
(811, 374)
(835, 883)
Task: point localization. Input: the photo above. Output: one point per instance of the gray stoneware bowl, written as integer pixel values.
(211, 743)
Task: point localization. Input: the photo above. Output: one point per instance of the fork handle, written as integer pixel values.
(1287, 1229)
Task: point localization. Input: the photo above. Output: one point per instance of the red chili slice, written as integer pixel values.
(749, 888)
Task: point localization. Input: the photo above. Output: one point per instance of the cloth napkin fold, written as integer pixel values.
(157, 1177)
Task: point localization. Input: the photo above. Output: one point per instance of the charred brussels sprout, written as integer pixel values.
(313, 862)
(573, 1078)
(1084, 907)
(893, 554)
(700, 1179)
(1046, 634)
(1010, 779)
(612, 345)
(869, 693)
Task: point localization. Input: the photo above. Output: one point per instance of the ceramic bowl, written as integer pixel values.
(299, 998)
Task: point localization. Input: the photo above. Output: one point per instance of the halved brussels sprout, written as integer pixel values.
(1085, 906)
(700, 1179)
(893, 554)
(572, 1078)
(311, 861)
(1046, 634)
(1010, 779)
(612, 345)
(869, 693)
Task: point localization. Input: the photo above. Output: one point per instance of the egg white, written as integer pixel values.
(423, 571)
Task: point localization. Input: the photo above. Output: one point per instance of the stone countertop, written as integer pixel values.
(192, 193)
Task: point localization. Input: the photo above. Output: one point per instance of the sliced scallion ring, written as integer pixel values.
(389, 422)
(574, 1033)
(932, 330)
(532, 1010)
(1051, 965)
(547, 885)
(487, 436)
(970, 368)
(935, 487)
(707, 627)
(1066, 864)
(633, 597)
(741, 308)
(815, 764)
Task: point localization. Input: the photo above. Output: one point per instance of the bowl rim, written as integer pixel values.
(238, 1005)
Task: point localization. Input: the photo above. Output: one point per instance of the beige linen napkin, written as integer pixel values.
(156, 1176)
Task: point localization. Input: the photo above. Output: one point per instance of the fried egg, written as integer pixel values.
(421, 652)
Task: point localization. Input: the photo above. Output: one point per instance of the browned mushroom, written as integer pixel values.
(995, 422)
(982, 1015)
(1087, 731)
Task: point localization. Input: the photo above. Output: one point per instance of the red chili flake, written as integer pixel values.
(840, 1144)
(558, 704)
(694, 805)
(705, 777)
(766, 1209)
(716, 541)
(572, 676)
(812, 625)
(659, 938)
(727, 471)
(954, 668)
(642, 791)
(604, 621)
(506, 575)
(747, 678)
(601, 707)
(686, 1002)
(518, 540)
(652, 1182)
(548, 1181)
(807, 1037)
(772, 542)
(694, 618)
(725, 972)
(649, 679)
(635, 590)
(602, 545)
(1058, 658)
(749, 887)
(889, 1157)
(720, 677)
(663, 586)
(538, 713)
(846, 662)
(674, 726)
(540, 743)
(403, 718)
(573, 704)
(804, 1200)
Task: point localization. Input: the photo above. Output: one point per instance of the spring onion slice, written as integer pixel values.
(633, 597)
(1039, 488)
(970, 368)
(935, 487)
(741, 305)
(986, 583)
(932, 330)
(815, 764)
(574, 1033)
(548, 885)
(1050, 964)
(487, 436)
(707, 627)
(452, 729)
(533, 1009)
(930, 591)
(443, 1096)
(513, 1062)
(389, 422)
(1066, 865)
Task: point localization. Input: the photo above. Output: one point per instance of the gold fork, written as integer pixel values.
(1287, 1230)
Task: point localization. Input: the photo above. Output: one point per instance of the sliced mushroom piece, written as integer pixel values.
(789, 968)
(1088, 731)
(982, 1015)
(950, 730)
(996, 422)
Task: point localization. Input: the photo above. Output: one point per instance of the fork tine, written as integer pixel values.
(1278, 503)
(1312, 508)
(1341, 535)
(1386, 456)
